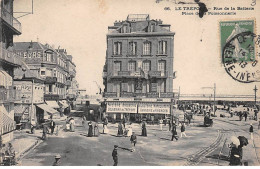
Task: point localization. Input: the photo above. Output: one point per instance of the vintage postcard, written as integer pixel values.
(130, 83)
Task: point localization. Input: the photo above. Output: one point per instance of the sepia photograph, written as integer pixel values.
(129, 83)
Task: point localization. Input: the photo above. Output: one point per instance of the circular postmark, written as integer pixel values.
(239, 59)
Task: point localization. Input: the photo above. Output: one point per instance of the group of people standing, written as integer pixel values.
(93, 131)
(70, 124)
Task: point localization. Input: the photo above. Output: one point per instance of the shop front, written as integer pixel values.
(135, 111)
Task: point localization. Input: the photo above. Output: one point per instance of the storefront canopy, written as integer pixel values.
(64, 103)
(53, 104)
(5, 79)
(47, 108)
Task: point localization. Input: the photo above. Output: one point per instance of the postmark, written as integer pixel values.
(239, 50)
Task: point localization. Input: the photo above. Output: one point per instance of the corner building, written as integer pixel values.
(138, 73)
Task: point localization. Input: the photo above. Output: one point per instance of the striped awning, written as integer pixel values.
(5, 79)
(19, 109)
(47, 108)
(7, 124)
(53, 104)
(64, 103)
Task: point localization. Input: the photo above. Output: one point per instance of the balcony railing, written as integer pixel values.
(130, 74)
(9, 95)
(68, 83)
(146, 95)
(50, 80)
(51, 97)
(10, 57)
(8, 17)
(158, 74)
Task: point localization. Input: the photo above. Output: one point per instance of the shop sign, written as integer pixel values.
(121, 107)
(154, 108)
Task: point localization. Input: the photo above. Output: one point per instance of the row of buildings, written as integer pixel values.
(138, 73)
(36, 80)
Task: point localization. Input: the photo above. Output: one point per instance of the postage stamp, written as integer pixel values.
(239, 50)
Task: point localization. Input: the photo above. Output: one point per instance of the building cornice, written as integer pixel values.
(141, 34)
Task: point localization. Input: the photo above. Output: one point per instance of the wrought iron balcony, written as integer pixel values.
(158, 74)
(12, 22)
(145, 95)
(50, 80)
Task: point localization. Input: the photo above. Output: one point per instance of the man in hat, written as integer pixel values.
(174, 133)
(114, 155)
(57, 160)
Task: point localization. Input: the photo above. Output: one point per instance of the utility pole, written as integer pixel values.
(214, 99)
(255, 89)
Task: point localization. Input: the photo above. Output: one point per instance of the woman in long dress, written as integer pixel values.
(96, 130)
(144, 133)
(72, 125)
(120, 129)
(90, 129)
(130, 131)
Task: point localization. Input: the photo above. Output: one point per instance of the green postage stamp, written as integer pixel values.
(239, 50)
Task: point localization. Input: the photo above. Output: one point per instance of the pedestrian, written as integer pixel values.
(251, 130)
(130, 131)
(255, 117)
(115, 155)
(144, 132)
(96, 130)
(133, 139)
(83, 120)
(245, 114)
(231, 113)
(72, 125)
(44, 132)
(33, 126)
(174, 133)
(57, 130)
(183, 130)
(90, 129)
(57, 160)
(170, 125)
(124, 121)
(120, 131)
(240, 116)
(52, 126)
(11, 154)
(161, 123)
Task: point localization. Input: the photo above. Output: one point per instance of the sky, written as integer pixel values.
(80, 26)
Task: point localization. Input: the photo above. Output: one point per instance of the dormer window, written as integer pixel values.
(124, 29)
(152, 29)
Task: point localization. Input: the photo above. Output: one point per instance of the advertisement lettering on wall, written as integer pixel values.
(154, 108)
(121, 107)
(25, 89)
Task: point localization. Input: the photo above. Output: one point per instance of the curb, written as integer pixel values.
(22, 154)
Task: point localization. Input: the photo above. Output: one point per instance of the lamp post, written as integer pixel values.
(214, 90)
(255, 89)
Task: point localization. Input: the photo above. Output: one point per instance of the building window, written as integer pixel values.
(147, 48)
(117, 67)
(161, 66)
(117, 48)
(132, 66)
(152, 27)
(43, 73)
(162, 47)
(132, 48)
(124, 87)
(146, 66)
(124, 29)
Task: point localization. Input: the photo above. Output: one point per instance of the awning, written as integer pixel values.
(64, 103)
(5, 79)
(53, 104)
(47, 108)
(19, 109)
(7, 124)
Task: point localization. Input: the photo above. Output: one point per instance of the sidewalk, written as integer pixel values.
(24, 141)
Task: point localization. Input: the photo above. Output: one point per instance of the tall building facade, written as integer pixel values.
(139, 68)
(51, 66)
(9, 26)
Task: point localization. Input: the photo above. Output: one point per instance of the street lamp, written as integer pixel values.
(214, 90)
(255, 89)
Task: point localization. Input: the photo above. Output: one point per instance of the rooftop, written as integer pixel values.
(138, 17)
